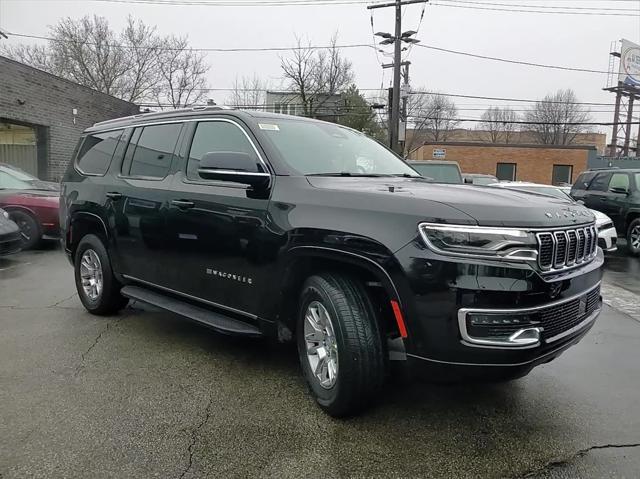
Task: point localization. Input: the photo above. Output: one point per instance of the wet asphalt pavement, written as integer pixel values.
(145, 394)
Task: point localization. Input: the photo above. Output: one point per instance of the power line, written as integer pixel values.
(516, 10)
(549, 7)
(312, 47)
(518, 62)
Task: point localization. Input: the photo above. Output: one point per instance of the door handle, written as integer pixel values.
(183, 204)
(603, 198)
(114, 195)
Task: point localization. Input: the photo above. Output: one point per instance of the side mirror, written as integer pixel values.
(232, 166)
(580, 202)
(619, 190)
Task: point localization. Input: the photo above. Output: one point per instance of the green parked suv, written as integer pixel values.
(616, 193)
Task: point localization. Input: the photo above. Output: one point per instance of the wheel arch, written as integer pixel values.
(305, 261)
(632, 214)
(81, 224)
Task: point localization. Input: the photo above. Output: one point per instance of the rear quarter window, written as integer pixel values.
(96, 152)
(583, 181)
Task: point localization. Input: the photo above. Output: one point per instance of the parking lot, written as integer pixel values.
(145, 394)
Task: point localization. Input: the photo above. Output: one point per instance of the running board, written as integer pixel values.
(214, 320)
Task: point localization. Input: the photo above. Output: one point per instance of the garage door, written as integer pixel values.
(22, 156)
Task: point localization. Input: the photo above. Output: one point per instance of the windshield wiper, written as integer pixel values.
(349, 174)
(406, 175)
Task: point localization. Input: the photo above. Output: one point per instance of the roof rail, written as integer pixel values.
(604, 168)
(165, 112)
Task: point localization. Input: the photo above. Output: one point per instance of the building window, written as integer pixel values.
(506, 171)
(562, 174)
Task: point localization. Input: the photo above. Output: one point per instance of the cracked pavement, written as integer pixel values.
(146, 394)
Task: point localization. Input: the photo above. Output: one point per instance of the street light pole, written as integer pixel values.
(397, 40)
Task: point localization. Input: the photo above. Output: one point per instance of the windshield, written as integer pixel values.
(318, 148)
(439, 173)
(545, 190)
(12, 180)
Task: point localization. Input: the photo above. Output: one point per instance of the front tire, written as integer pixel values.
(97, 287)
(339, 344)
(29, 228)
(633, 237)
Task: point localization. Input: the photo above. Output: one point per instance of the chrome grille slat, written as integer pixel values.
(564, 248)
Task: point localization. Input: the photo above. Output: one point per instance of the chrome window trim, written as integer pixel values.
(192, 120)
(475, 342)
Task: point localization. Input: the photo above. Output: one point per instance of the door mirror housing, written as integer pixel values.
(234, 166)
(581, 202)
(619, 190)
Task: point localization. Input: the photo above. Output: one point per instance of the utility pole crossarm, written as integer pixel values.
(397, 39)
(401, 3)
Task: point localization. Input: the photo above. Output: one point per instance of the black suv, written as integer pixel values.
(268, 225)
(616, 193)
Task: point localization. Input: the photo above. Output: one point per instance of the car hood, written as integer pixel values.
(487, 206)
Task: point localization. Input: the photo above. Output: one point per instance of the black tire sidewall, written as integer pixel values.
(632, 251)
(16, 216)
(314, 292)
(104, 303)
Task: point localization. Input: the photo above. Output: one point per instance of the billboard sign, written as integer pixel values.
(629, 64)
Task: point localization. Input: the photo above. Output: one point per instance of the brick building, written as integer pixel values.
(42, 116)
(417, 138)
(537, 163)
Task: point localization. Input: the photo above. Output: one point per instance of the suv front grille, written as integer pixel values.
(562, 249)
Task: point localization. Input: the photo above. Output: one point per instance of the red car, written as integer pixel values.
(31, 203)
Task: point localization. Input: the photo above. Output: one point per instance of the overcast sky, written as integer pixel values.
(570, 40)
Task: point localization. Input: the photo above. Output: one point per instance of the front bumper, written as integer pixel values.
(10, 243)
(607, 239)
(439, 293)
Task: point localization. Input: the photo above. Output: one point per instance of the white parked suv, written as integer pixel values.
(607, 234)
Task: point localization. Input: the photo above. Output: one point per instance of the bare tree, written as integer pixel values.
(36, 56)
(248, 92)
(432, 115)
(182, 71)
(316, 74)
(498, 124)
(137, 65)
(558, 118)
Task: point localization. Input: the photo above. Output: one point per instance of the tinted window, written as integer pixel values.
(150, 151)
(438, 172)
(562, 174)
(583, 181)
(619, 180)
(506, 171)
(96, 152)
(600, 182)
(216, 136)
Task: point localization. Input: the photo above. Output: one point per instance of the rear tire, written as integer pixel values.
(96, 284)
(633, 237)
(29, 228)
(337, 324)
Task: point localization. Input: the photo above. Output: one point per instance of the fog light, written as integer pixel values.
(500, 329)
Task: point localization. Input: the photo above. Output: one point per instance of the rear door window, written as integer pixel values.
(96, 152)
(150, 151)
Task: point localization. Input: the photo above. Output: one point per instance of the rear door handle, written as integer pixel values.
(183, 204)
(603, 198)
(114, 195)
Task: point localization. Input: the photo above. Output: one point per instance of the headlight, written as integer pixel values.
(4, 214)
(480, 241)
(604, 226)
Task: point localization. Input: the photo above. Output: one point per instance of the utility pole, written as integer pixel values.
(397, 40)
